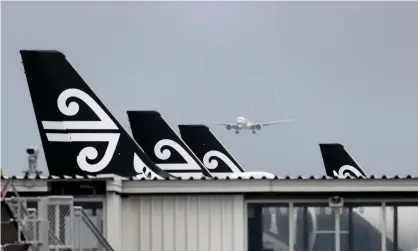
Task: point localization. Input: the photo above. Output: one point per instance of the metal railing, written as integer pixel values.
(79, 212)
(14, 225)
(54, 225)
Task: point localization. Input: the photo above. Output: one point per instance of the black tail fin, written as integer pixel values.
(154, 134)
(79, 135)
(338, 162)
(206, 146)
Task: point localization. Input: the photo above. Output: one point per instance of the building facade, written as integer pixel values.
(281, 214)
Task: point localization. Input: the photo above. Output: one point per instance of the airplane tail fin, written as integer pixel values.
(158, 140)
(339, 163)
(206, 147)
(79, 135)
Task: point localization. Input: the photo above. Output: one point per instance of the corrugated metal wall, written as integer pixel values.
(183, 223)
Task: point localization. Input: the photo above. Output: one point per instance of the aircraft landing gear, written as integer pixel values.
(236, 132)
(254, 132)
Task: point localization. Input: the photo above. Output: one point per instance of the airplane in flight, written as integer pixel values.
(76, 128)
(364, 221)
(176, 156)
(75, 134)
(243, 123)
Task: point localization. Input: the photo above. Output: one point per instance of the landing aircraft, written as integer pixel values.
(172, 154)
(74, 134)
(243, 123)
(76, 128)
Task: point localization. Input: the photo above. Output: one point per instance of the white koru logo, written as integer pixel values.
(347, 171)
(104, 123)
(165, 154)
(211, 163)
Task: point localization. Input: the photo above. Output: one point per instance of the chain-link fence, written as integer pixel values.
(61, 223)
(54, 222)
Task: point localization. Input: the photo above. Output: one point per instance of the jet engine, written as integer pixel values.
(228, 127)
(258, 126)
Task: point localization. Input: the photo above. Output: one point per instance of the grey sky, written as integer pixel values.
(345, 71)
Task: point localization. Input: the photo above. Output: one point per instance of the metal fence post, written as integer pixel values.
(43, 224)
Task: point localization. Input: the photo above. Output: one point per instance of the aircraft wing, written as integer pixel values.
(220, 123)
(228, 126)
(275, 122)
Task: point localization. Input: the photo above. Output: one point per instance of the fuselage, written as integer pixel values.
(243, 123)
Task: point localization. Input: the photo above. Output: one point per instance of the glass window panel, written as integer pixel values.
(324, 242)
(275, 225)
(408, 228)
(314, 228)
(366, 234)
(390, 227)
(345, 218)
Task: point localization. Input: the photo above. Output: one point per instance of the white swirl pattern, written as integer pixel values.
(213, 164)
(89, 152)
(347, 171)
(105, 122)
(166, 153)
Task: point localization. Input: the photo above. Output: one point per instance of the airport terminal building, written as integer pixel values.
(280, 214)
(230, 209)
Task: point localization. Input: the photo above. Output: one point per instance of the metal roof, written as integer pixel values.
(287, 184)
(107, 176)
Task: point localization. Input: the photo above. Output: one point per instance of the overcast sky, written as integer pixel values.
(345, 71)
